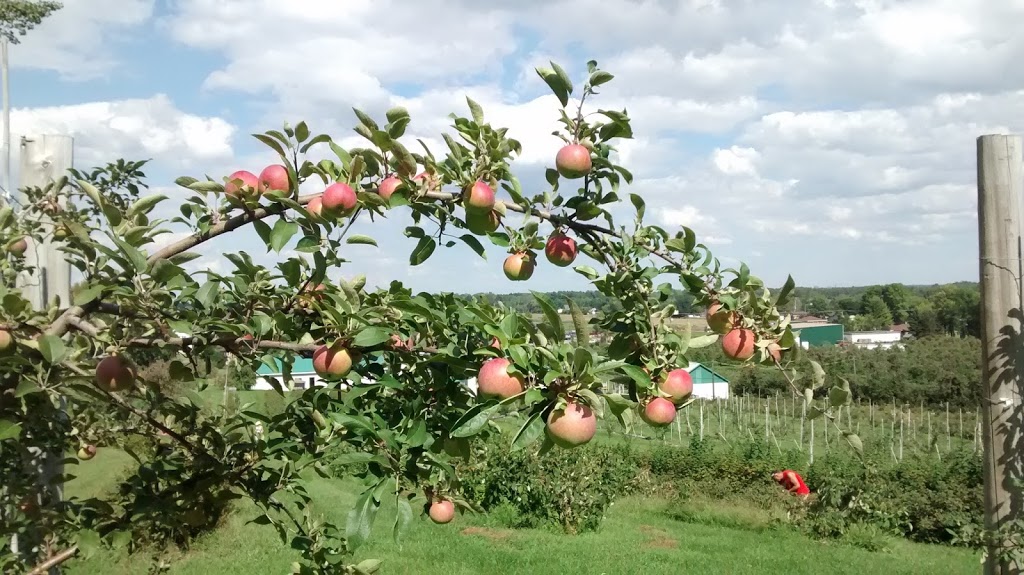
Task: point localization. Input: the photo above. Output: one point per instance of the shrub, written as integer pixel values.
(570, 489)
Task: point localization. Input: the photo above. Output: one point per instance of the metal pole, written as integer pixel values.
(7, 121)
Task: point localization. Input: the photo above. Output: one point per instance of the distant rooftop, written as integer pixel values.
(803, 324)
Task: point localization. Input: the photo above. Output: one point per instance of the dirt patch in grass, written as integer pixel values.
(492, 534)
(659, 539)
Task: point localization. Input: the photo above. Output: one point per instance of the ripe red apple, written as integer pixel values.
(6, 340)
(397, 343)
(560, 249)
(433, 182)
(87, 452)
(573, 161)
(250, 183)
(774, 351)
(572, 426)
(658, 412)
(481, 223)
(494, 380)
(442, 511)
(720, 320)
(17, 247)
(332, 361)
(678, 385)
(519, 266)
(479, 197)
(339, 198)
(274, 177)
(315, 207)
(739, 344)
(388, 186)
(114, 373)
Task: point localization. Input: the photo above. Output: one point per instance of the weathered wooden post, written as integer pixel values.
(1000, 186)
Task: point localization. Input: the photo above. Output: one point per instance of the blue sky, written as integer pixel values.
(833, 141)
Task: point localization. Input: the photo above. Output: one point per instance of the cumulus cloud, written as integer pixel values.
(78, 40)
(134, 129)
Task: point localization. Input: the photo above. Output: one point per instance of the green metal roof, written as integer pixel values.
(704, 374)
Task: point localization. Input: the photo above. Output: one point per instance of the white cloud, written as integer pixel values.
(132, 129)
(75, 41)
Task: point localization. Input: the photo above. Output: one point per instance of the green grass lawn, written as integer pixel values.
(638, 536)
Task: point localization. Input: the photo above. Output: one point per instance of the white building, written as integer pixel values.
(874, 339)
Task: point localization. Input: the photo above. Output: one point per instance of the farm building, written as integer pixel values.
(303, 375)
(874, 339)
(707, 383)
(816, 334)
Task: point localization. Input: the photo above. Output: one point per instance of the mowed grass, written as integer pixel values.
(649, 536)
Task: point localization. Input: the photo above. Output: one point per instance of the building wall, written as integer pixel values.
(715, 390)
(874, 339)
(819, 335)
(299, 381)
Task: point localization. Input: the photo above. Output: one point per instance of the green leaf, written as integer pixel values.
(838, 396)
(599, 77)
(360, 519)
(703, 340)
(474, 420)
(638, 375)
(551, 314)
(371, 336)
(556, 84)
(477, 111)
(9, 429)
(579, 321)
(88, 294)
(563, 76)
(52, 348)
(25, 387)
(282, 233)
(88, 542)
(207, 294)
(785, 293)
(814, 412)
(144, 204)
(639, 204)
(361, 239)
(854, 440)
(368, 566)
(403, 517)
(587, 272)
(475, 244)
(530, 432)
(424, 248)
(818, 374)
(301, 132)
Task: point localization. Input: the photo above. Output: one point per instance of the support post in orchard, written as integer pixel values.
(45, 159)
(1000, 186)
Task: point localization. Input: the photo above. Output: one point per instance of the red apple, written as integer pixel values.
(739, 344)
(315, 207)
(442, 511)
(17, 247)
(481, 223)
(274, 177)
(658, 412)
(495, 343)
(338, 198)
(388, 186)
(494, 380)
(572, 426)
(721, 320)
(249, 184)
(774, 351)
(433, 182)
(519, 266)
(560, 249)
(678, 385)
(114, 373)
(573, 161)
(87, 452)
(479, 197)
(333, 361)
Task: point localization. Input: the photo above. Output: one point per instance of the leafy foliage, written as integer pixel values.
(395, 411)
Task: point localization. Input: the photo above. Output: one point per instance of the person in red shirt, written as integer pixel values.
(792, 481)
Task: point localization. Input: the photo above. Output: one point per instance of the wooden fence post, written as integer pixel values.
(1000, 186)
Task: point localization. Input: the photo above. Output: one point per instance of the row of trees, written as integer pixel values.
(952, 309)
(937, 369)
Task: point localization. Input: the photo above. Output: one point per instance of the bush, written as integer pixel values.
(570, 489)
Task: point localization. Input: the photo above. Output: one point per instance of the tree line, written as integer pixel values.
(951, 309)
